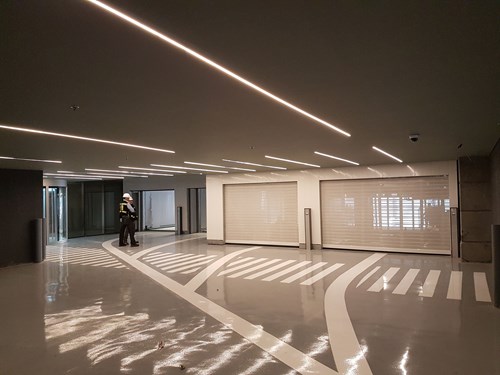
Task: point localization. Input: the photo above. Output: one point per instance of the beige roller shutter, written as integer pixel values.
(391, 214)
(261, 213)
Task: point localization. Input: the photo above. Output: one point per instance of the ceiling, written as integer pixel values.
(378, 70)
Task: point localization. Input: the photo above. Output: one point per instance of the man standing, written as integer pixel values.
(128, 216)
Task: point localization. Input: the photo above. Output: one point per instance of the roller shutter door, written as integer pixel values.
(392, 214)
(261, 213)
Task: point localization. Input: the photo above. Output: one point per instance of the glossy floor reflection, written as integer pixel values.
(177, 305)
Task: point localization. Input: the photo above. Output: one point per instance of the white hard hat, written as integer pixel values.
(126, 196)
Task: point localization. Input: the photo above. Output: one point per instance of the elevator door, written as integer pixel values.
(56, 214)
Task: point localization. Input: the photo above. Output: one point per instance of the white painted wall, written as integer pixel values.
(308, 185)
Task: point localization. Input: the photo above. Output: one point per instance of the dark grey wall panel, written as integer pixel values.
(21, 197)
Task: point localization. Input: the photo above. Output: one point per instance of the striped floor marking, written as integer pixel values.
(179, 258)
(481, 287)
(381, 283)
(302, 273)
(177, 261)
(430, 284)
(322, 274)
(236, 268)
(157, 256)
(368, 275)
(254, 268)
(266, 271)
(240, 261)
(455, 286)
(288, 270)
(406, 282)
(188, 265)
(84, 257)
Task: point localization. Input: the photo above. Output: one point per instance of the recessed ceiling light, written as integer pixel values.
(83, 138)
(335, 157)
(117, 175)
(293, 161)
(219, 166)
(387, 154)
(255, 164)
(214, 65)
(37, 160)
(150, 169)
(190, 169)
(65, 172)
(82, 176)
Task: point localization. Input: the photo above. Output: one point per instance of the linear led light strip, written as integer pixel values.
(149, 169)
(83, 138)
(128, 174)
(72, 178)
(335, 157)
(213, 64)
(257, 165)
(387, 154)
(293, 161)
(190, 169)
(117, 175)
(80, 175)
(219, 166)
(42, 161)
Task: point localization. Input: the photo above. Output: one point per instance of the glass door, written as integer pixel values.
(55, 206)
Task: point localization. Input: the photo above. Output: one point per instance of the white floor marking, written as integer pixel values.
(191, 270)
(101, 263)
(430, 284)
(288, 270)
(302, 273)
(251, 269)
(267, 342)
(381, 283)
(199, 263)
(161, 256)
(204, 259)
(274, 268)
(180, 258)
(201, 277)
(236, 268)
(349, 356)
(481, 287)
(178, 261)
(406, 282)
(455, 286)
(151, 249)
(322, 274)
(368, 275)
(239, 261)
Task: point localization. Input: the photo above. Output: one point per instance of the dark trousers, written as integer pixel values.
(129, 224)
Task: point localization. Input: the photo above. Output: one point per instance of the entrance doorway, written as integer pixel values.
(54, 204)
(158, 210)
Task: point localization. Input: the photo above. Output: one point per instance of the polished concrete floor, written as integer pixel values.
(175, 305)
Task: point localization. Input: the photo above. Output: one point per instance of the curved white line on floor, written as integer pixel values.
(285, 353)
(147, 251)
(201, 277)
(349, 356)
